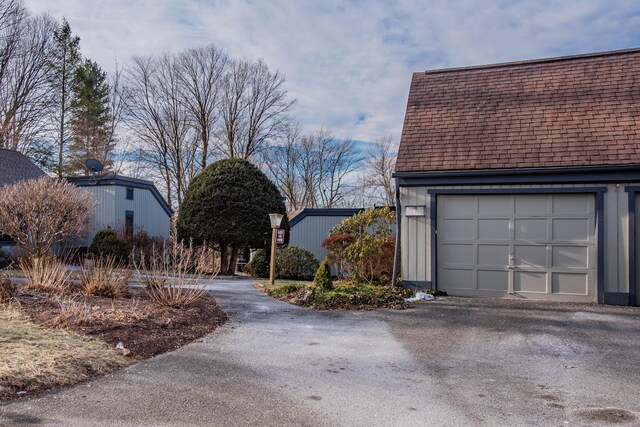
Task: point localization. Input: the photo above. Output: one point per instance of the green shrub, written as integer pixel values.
(366, 244)
(259, 265)
(295, 263)
(107, 243)
(360, 296)
(344, 296)
(370, 259)
(289, 288)
(322, 280)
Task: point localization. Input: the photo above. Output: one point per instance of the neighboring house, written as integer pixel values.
(309, 227)
(523, 179)
(15, 167)
(126, 205)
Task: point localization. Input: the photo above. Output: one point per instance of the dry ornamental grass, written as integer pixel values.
(105, 277)
(47, 273)
(172, 277)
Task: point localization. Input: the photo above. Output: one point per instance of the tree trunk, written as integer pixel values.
(233, 260)
(223, 259)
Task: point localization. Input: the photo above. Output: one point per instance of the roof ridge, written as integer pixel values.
(533, 61)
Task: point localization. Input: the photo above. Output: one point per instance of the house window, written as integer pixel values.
(128, 223)
(129, 193)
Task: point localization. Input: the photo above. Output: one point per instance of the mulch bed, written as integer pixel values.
(153, 330)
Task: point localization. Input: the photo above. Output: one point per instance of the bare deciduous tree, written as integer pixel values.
(313, 171)
(201, 72)
(24, 76)
(381, 162)
(282, 161)
(40, 213)
(254, 107)
(157, 115)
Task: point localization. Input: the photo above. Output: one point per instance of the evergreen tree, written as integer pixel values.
(90, 118)
(65, 59)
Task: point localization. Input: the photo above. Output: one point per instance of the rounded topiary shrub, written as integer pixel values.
(107, 243)
(293, 262)
(259, 265)
(322, 279)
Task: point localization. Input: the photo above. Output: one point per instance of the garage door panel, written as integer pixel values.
(571, 229)
(491, 280)
(572, 203)
(529, 282)
(496, 255)
(530, 256)
(570, 283)
(456, 279)
(570, 256)
(460, 207)
(532, 204)
(535, 230)
(458, 229)
(458, 254)
(493, 229)
(495, 205)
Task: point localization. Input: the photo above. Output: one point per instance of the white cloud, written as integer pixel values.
(349, 60)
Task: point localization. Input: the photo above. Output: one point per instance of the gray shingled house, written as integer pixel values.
(523, 179)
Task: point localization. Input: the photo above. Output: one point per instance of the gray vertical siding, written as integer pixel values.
(112, 205)
(416, 246)
(311, 231)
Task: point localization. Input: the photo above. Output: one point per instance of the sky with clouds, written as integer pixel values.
(349, 63)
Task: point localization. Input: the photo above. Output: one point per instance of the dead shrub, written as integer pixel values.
(8, 289)
(105, 277)
(171, 278)
(47, 273)
(79, 312)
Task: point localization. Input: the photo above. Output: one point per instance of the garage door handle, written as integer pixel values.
(511, 267)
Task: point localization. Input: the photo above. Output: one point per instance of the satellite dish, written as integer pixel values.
(94, 165)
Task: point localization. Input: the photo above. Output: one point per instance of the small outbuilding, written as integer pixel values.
(523, 180)
(125, 204)
(309, 227)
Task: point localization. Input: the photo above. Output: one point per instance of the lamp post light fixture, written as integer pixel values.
(275, 220)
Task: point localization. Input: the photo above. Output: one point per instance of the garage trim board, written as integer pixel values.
(514, 271)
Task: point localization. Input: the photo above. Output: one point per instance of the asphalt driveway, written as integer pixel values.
(455, 361)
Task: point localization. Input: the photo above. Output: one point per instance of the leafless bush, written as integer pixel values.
(171, 278)
(47, 273)
(105, 277)
(8, 289)
(39, 213)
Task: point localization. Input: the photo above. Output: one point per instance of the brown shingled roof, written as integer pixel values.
(571, 111)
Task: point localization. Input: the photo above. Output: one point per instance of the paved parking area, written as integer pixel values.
(455, 361)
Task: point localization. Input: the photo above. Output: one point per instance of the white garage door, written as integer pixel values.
(534, 245)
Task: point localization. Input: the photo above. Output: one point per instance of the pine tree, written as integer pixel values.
(65, 59)
(90, 116)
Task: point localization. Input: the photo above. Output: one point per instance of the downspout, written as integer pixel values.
(396, 251)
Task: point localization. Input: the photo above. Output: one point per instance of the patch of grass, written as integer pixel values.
(344, 296)
(33, 358)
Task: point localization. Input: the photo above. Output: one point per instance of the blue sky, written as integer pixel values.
(349, 63)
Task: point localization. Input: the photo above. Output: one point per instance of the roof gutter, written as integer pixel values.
(550, 175)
